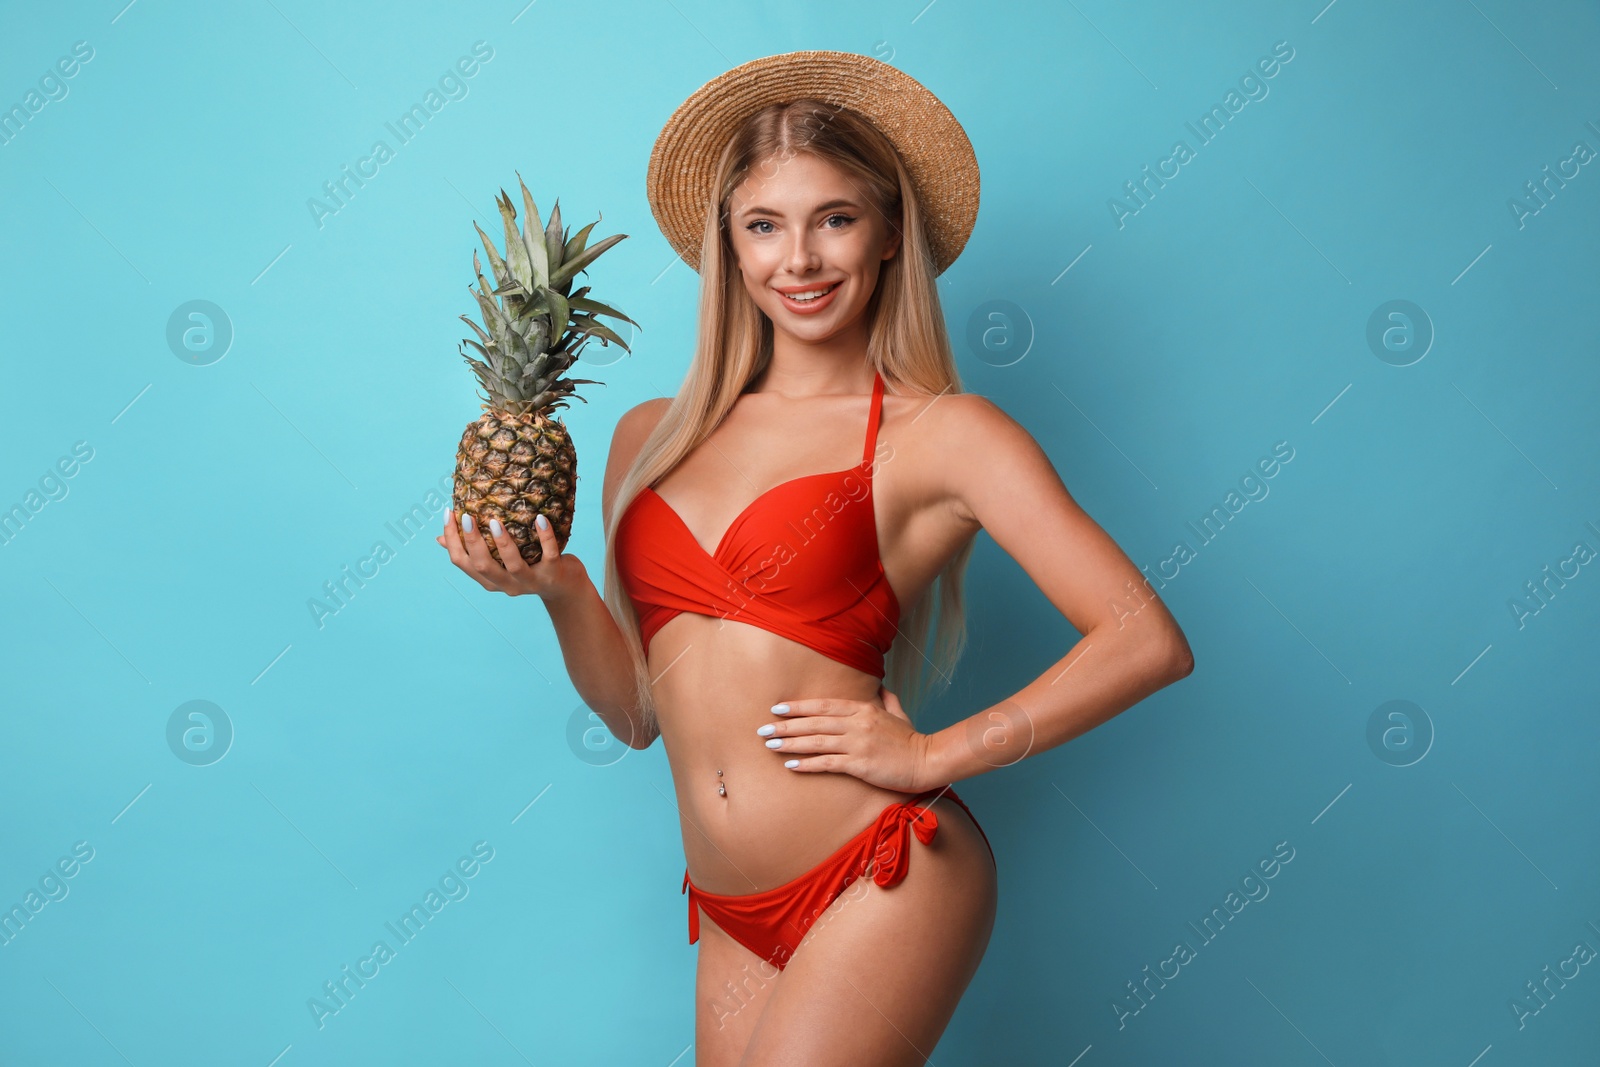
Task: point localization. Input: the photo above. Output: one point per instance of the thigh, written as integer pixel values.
(877, 978)
(732, 987)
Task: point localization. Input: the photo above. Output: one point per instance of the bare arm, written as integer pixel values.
(592, 645)
(1000, 479)
(591, 642)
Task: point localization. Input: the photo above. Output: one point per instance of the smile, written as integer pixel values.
(811, 300)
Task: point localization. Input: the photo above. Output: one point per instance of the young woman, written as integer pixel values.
(780, 532)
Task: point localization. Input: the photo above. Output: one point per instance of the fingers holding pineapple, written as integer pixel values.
(549, 545)
(465, 545)
(510, 574)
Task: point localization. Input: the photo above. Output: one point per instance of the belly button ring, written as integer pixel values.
(722, 790)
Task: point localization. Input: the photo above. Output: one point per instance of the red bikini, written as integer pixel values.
(801, 561)
(772, 923)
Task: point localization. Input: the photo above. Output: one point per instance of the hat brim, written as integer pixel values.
(935, 149)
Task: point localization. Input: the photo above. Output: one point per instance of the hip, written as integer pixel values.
(752, 840)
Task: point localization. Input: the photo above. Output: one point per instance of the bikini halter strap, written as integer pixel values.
(873, 418)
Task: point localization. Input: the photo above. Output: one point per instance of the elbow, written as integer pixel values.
(1165, 654)
(640, 737)
(625, 724)
(1177, 657)
(1184, 666)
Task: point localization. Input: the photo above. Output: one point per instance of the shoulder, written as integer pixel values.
(974, 450)
(965, 407)
(637, 423)
(961, 416)
(632, 430)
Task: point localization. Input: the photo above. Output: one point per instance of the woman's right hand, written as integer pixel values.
(553, 575)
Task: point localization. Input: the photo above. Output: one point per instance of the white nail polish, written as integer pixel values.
(780, 709)
(766, 731)
(776, 742)
(791, 763)
(466, 523)
(494, 527)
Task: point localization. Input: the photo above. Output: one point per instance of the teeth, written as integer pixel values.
(814, 294)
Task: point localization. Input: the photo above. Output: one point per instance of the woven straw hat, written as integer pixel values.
(931, 143)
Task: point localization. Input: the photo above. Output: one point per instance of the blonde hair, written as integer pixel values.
(907, 344)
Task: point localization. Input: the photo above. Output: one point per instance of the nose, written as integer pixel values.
(802, 253)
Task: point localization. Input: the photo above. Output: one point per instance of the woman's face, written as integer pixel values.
(800, 226)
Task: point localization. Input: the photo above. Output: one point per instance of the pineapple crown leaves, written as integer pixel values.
(534, 325)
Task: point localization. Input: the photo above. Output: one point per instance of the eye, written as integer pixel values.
(847, 220)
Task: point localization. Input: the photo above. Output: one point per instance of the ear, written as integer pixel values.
(892, 245)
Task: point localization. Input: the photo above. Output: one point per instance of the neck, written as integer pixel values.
(834, 366)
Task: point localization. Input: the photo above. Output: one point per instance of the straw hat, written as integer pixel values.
(931, 143)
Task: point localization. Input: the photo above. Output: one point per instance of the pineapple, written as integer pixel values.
(516, 461)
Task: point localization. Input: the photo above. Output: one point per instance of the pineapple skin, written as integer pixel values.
(512, 468)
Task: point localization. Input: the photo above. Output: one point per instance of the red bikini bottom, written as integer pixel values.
(772, 923)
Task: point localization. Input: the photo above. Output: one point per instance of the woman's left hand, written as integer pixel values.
(872, 740)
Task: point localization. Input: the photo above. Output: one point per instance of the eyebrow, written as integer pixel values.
(758, 210)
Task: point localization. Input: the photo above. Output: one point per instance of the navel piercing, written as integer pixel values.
(722, 790)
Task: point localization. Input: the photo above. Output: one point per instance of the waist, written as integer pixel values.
(766, 833)
(766, 824)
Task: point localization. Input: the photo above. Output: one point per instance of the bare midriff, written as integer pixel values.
(716, 681)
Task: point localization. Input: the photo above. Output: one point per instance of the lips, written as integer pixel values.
(812, 306)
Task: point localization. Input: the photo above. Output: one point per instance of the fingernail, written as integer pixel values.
(776, 742)
(466, 523)
(494, 527)
(780, 709)
(791, 763)
(542, 522)
(766, 731)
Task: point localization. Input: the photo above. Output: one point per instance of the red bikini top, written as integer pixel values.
(801, 561)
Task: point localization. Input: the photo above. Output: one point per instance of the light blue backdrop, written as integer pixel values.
(1442, 863)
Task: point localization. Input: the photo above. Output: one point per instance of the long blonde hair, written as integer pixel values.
(907, 344)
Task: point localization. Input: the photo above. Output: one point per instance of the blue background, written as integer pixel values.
(1230, 312)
